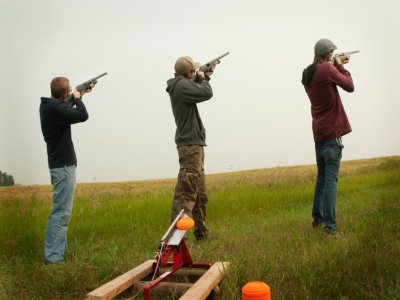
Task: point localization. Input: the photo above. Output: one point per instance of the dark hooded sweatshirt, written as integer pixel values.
(329, 117)
(56, 118)
(184, 95)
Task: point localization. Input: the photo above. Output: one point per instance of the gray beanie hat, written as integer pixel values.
(323, 47)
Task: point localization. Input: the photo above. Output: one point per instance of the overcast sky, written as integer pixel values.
(259, 116)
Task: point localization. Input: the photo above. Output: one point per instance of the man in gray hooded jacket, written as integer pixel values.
(186, 89)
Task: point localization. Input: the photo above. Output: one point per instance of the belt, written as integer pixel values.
(339, 141)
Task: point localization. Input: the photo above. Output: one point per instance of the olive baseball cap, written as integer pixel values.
(185, 64)
(323, 47)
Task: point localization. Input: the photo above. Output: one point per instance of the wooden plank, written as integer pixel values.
(203, 287)
(178, 288)
(186, 271)
(122, 282)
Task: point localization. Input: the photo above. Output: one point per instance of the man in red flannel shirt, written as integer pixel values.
(329, 124)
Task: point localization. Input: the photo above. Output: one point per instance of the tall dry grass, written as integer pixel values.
(259, 221)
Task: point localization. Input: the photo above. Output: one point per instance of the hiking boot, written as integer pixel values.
(332, 233)
(202, 235)
(48, 262)
(335, 234)
(200, 238)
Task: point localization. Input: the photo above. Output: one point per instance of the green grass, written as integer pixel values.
(259, 220)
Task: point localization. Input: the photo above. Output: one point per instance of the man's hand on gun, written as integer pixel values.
(208, 73)
(341, 59)
(207, 69)
(78, 94)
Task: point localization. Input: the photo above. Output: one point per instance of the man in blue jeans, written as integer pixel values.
(56, 117)
(329, 124)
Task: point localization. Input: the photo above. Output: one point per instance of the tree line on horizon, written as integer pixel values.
(6, 179)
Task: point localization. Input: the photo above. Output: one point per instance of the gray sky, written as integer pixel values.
(259, 116)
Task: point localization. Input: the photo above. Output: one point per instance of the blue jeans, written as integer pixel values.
(63, 181)
(328, 156)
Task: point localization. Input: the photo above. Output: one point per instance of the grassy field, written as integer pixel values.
(259, 220)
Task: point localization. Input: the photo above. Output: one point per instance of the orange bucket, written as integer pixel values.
(185, 223)
(256, 290)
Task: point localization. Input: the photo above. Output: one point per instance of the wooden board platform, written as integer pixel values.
(121, 283)
(198, 290)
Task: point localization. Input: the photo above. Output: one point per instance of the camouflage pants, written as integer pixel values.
(190, 190)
